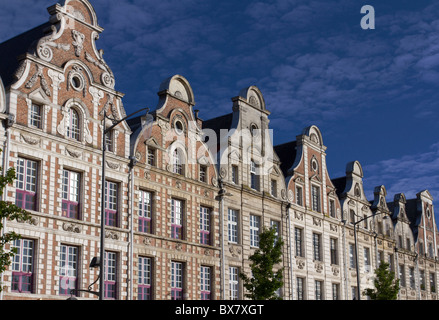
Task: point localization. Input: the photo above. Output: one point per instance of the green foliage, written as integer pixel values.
(264, 281)
(10, 212)
(386, 286)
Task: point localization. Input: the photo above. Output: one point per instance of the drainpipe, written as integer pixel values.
(5, 191)
(290, 250)
(131, 244)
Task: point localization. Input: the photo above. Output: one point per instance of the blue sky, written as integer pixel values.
(373, 93)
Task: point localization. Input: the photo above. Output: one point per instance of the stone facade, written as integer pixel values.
(185, 198)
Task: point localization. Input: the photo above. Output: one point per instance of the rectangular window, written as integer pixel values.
(367, 266)
(412, 277)
(22, 266)
(319, 290)
(300, 288)
(316, 240)
(70, 188)
(176, 280)
(402, 275)
(144, 278)
(69, 269)
(26, 184)
(109, 141)
(276, 226)
(254, 179)
(299, 196)
(390, 261)
(332, 208)
(232, 225)
(298, 239)
(145, 208)
(203, 173)
(206, 280)
(205, 225)
(334, 251)
(234, 283)
(151, 157)
(176, 219)
(110, 280)
(35, 116)
(235, 174)
(111, 203)
(177, 164)
(255, 222)
(274, 188)
(432, 282)
(335, 291)
(352, 258)
(315, 198)
(422, 279)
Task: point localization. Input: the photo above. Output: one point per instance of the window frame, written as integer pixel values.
(255, 227)
(206, 282)
(145, 208)
(233, 225)
(144, 278)
(17, 265)
(111, 274)
(36, 117)
(205, 225)
(73, 128)
(68, 202)
(28, 189)
(111, 208)
(69, 255)
(177, 219)
(177, 280)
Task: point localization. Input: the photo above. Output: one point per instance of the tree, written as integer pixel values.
(265, 281)
(386, 286)
(10, 212)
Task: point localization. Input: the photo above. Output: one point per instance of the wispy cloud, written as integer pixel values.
(409, 174)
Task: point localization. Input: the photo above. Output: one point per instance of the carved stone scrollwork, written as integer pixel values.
(178, 247)
(45, 44)
(113, 165)
(71, 227)
(39, 74)
(207, 252)
(78, 42)
(73, 153)
(30, 140)
(107, 76)
(147, 241)
(298, 215)
(318, 266)
(32, 221)
(300, 263)
(235, 251)
(333, 227)
(317, 222)
(335, 271)
(109, 234)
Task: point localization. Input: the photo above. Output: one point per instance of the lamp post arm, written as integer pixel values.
(119, 121)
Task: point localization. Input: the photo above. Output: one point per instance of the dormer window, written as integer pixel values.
(109, 141)
(73, 131)
(254, 181)
(177, 166)
(35, 116)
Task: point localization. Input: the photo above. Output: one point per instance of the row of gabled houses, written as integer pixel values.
(184, 198)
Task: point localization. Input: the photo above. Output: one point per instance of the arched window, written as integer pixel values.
(73, 131)
(177, 166)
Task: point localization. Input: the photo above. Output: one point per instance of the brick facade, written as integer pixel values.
(186, 198)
